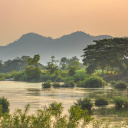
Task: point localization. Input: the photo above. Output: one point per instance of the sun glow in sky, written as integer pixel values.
(59, 17)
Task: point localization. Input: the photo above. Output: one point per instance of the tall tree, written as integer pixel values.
(34, 61)
(106, 52)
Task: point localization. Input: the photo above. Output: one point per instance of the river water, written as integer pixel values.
(21, 93)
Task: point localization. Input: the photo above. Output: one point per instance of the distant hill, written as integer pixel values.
(32, 43)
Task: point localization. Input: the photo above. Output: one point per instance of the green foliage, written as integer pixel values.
(46, 77)
(56, 108)
(64, 74)
(85, 103)
(112, 82)
(5, 104)
(2, 77)
(74, 63)
(69, 83)
(47, 84)
(44, 118)
(34, 61)
(72, 71)
(58, 79)
(80, 75)
(32, 74)
(56, 85)
(51, 67)
(101, 101)
(19, 76)
(94, 82)
(107, 52)
(77, 113)
(121, 85)
(121, 102)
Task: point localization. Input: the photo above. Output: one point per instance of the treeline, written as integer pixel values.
(16, 64)
(20, 63)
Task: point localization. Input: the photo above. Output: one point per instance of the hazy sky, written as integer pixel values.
(59, 17)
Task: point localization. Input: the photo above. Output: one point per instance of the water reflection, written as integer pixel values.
(33, 92)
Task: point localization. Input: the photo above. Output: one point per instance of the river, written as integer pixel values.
(21, 93)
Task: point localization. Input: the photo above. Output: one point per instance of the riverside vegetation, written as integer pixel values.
(52, 116)
(104, 63)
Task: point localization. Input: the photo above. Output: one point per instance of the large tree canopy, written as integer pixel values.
(106, 52)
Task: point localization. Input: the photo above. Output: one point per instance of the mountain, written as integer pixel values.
(65, 46)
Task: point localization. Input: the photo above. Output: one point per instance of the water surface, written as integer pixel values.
(21, 93)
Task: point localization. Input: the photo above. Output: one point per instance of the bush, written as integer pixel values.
(85, 103)
(121, 85)
(112, 82)
(101, 101)
(56, 108)
(5, 104)
(56, 85)
(47, 84)
(69, 83)
(121, 102)
(94, 82)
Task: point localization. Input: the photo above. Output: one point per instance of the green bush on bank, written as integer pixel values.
(85, 103)
(112, 82)
(56, 85)
(4, 103)
(121, 85)
(47, 84)
(69, 83)
(121, 102)
(101, 101)
(93, 82)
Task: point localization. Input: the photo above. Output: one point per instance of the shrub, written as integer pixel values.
(85, 103)
(121, 85)
(121, 102)
(47, 84)
(94, 82)
(69, 83)
(101, 101)
(56, 108)
(112, 82)
(5, 104)
(56, 85)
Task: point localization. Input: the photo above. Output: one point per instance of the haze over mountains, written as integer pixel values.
(65, 46)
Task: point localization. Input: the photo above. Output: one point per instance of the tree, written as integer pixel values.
(64, 62)
(72, 71)
(34, 61)
(32, 74)
(106, 52)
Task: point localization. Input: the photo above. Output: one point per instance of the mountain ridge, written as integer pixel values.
(65, 46)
